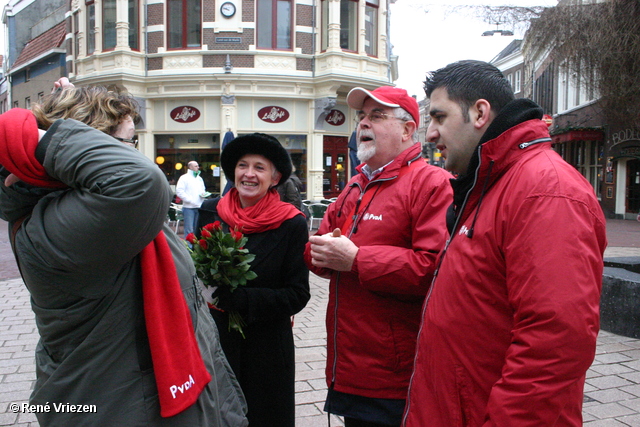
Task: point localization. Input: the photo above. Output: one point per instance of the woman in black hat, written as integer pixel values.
(277, 234)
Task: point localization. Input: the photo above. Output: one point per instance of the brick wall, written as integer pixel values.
(238, 61)
(304, 64)
(154, 64)
(305, 42)
(248, 10)
(304, 15)
(155, 15)
(208, 11)
(155, 40)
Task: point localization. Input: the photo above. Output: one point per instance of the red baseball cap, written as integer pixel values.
(386, 95)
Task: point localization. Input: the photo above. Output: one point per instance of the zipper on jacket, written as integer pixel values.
(354, 228)
(535, 141)
(482, 193)
(433, 281)
(335, 335)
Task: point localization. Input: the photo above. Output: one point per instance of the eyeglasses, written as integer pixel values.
(375, 116)
(132, 142)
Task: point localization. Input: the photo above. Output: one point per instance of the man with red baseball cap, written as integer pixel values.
(378, 244)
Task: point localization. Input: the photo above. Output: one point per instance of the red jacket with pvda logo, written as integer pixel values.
(374, 310)
(511, 322)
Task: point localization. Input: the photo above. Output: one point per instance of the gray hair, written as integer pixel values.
(402, 114)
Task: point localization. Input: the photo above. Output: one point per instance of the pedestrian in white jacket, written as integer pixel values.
(191, 190)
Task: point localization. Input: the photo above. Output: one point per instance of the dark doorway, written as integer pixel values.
(335, 165)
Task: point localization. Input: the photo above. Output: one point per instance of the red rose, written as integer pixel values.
(203, 244)
(205, 233)
(191, 238)
(236, 235)
(214, 226)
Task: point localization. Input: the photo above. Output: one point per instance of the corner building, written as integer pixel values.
(202, 68)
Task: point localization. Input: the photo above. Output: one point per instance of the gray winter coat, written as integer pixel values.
(78, 253)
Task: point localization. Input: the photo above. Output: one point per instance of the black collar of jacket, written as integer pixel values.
(514, 113)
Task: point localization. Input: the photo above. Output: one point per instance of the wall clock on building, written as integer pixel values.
(228, 9)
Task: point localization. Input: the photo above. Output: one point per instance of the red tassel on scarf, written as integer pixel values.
(177, 363)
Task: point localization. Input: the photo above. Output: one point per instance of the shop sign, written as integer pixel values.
(624, 136)
(335, 118)
(273, 114)
(630, 152)
(185, 114)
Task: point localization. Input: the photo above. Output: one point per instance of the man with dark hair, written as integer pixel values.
(510, 325)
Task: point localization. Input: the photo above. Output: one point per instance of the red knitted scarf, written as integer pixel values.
(18, 142)
(269, 213)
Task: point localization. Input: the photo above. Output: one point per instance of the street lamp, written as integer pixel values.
(501, 32)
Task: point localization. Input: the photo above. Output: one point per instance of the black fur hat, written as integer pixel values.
(255, 143)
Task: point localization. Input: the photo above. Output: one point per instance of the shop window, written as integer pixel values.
(275, 29)
(595, 165)
(91, 27)
(371, 27)
(185, 24)
(349, 25)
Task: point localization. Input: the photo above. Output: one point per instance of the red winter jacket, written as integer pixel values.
(374, 310)
(511, 322)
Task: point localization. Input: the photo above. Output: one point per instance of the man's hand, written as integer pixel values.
(333, 251)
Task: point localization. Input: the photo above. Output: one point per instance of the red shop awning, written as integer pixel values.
(578, 135)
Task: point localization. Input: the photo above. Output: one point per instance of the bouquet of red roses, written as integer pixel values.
(222, 260)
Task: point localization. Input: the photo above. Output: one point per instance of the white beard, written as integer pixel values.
(365, 152)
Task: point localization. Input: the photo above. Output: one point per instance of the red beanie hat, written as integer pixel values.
(18, 141)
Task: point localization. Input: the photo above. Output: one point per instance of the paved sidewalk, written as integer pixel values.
(612, 391)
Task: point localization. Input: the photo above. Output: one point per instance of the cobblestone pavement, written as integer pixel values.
(612, 389)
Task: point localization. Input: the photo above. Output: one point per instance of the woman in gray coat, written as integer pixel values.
(84, 211)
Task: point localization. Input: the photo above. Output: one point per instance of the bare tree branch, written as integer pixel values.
(599, 41)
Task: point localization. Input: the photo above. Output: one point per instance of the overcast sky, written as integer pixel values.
(426, 35)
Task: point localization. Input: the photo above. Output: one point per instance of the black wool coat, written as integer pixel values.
(264, 360)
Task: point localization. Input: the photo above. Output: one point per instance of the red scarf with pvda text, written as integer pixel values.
(177, 363)
(268, 214)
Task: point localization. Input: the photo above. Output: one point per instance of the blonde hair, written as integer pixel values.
(93, 105)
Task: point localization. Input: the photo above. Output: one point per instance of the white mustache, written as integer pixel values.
(366, 133)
